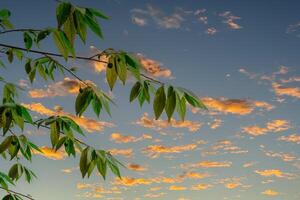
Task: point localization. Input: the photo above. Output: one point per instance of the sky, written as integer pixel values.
(240, 57)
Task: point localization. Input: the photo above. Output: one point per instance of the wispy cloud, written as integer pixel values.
(88, 124)
(50, 153)
(235, 106)
(223, 147)
(172, 21)
(155, 151)
(272, 126)
(293, 28)
(159, 124)
(270, 192)
(281, 90)
(230, 20)
(275, 173)
(119, 138)
(207, 164)
(122, 152)
(290, 138)
(61, 88)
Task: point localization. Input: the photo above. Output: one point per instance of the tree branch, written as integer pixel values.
(17, 193)
(19, 30)
(77, 57)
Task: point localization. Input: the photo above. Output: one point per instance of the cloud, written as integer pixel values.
(283, 156)
(153, 67)
(49, 153)
(139, 21)
(230, 20)
(119, 138)
(201, 186)
(286, 91)
(235, 106)
(159, 124)
(290, 138)
(156, 195)
(207, 164)
(128, 181)
(194, 175)
(88, 124)
(223, 147)
(275, 173)
(61, 88)
(272, 126)
(177, 187)
(172, 21)
(270, 192)
(150, 66)
(136, 167)
(155, 151)
(216, 123)
(249, 164)
(122, 152)
(293, 28)
(211, 31)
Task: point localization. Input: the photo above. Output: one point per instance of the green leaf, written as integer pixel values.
(111, 74)
(135, 91)
(70, 30)
(4, 13)
(159, 102)
(25, 114)
(10, 55)
(93, 24)
(170, 103)
(14, 172)
(97, 13)
(27, 40)
(121, 68)
(97, 106)
(42, 35)
(80, 25)
(181, 106)
(54, 134)
(60, 44)
(63, 11)
(82, 101)
(5, 144)
(83, 165)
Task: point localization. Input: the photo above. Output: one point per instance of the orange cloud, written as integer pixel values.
(286, 91)
(208, 164)
(232, 185)
(119, 138)
(291, 138)
(235, 106)
(147, 122)
(49, 153)
(176, 187)
(136, 167)
(127, 181)
(283, 156)
(154, 151)
(274, 172)
(122, 152)
(230, 20)
(270, 192)
(201, 186)
(60, 88)
(88, 124)
(223, 147)
(154, 68)
(272, 126)
(194, 175)
(215, 124)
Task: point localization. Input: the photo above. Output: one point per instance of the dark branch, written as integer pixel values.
(77, 57)
(17, 193)
(19, 30)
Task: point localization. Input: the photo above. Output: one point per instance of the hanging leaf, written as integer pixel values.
(159, 102)
(170, 103)
(63, 11)
(27, 40)
(111, 74)
(135, 91)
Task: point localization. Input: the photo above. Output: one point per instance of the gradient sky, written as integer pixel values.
(240, 57)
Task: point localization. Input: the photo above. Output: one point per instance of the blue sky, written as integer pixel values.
(240, 57)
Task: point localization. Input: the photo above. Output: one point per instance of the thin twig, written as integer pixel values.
(17, 193)
(19, 30)
(76, 57)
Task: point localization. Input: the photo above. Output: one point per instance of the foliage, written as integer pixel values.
(72, 22)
